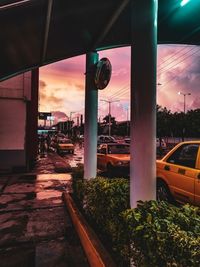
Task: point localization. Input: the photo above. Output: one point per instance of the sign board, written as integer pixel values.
(44, 115)
(102, 73)
(50, 118)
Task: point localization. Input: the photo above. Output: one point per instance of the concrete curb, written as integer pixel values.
(96, 254)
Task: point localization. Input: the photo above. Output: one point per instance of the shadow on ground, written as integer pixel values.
(35, 227)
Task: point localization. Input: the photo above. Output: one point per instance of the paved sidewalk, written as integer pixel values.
(35, 228)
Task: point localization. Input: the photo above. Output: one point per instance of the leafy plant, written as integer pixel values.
(151, 235)
(164, 235)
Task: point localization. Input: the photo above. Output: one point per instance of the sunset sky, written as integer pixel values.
(62, 84)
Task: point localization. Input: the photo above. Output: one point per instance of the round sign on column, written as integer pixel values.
(102, 73)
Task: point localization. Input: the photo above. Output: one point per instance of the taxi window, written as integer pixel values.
(119, 149)
(185, 155)
(64, 141)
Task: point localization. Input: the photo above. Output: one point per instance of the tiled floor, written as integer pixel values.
(35, 228)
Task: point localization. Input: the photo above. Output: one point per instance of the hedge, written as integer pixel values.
(151, 235)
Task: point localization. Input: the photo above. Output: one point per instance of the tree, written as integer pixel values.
(112, 119)
(193, 123)
(163, 121)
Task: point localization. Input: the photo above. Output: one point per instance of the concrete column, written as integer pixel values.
(32, 121)
(143, 101)
(91, 112)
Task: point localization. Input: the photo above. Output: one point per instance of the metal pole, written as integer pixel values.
(109, 118)
(91, 113)
(184, 103)
(127, 121)
(109, 113)
(183, 137)
(184, 110)
(143, 101)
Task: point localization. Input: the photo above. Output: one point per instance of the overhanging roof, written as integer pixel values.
(37, 32)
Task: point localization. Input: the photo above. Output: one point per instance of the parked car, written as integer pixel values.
(178, 174)
(161, 143)
(127, 140)
(81, 137)
(65, 146)
(113, 157)
(105, 139)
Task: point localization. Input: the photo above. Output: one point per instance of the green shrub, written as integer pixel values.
(102, 202)
(151, 235)
(164, 235)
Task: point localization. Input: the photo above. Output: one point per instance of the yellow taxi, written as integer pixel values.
(178, 174)
(113, 158)
(65, 146)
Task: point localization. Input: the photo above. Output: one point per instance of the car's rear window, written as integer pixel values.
(118, 149)
(64, 141)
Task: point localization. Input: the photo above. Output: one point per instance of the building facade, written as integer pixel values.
(18, 122)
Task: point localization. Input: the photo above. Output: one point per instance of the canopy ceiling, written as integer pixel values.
(37, 32)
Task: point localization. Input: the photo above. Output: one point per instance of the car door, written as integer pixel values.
(181, 172)
(197, 180)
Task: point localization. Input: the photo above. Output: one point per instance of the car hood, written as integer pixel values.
(125, 157)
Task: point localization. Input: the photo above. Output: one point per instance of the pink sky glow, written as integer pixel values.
(62, 84)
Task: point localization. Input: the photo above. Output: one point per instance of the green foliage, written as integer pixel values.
(151, 235)
(103, 200)
(164, 235)
(173, 124)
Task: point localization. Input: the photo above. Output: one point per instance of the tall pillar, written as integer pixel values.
(143, 101)
(32, 121)
(91, 112)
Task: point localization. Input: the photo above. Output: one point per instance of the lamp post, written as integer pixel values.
(184, 105)
(184, 102)
(109, 113)
(127, 123)
(70, 121)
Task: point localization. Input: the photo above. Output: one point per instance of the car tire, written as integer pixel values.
(163, 192)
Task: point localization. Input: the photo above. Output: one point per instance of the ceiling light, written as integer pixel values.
(184, 2)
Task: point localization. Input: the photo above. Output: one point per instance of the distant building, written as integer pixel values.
(65, 127)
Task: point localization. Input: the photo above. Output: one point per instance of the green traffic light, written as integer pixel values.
(184, 2)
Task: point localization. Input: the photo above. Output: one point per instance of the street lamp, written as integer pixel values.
(71, 112)
(184, 95)
(109, 113)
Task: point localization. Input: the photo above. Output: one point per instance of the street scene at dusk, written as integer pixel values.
(177, 71)
(100, 133)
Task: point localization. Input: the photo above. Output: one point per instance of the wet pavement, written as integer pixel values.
(36, 229)
(77, 157)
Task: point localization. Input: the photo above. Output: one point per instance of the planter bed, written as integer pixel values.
(155, 234)
(94, 250)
